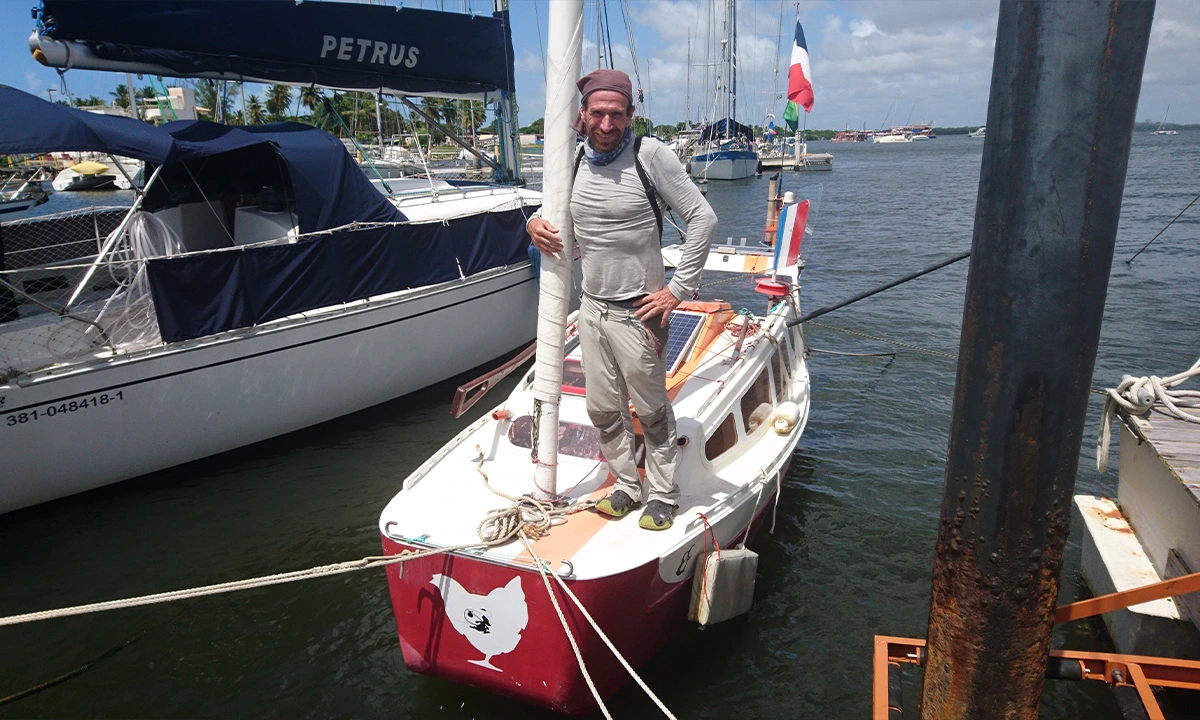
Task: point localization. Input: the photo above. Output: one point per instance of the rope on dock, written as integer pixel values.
(1138, 394)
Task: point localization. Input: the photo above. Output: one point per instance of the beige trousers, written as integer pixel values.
(623, 359)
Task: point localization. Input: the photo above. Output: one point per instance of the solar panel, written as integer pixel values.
(684, 328)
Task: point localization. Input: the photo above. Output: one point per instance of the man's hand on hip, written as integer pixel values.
(545, 236)
(656, 303)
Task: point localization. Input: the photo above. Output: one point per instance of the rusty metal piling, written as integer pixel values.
(1064, 92)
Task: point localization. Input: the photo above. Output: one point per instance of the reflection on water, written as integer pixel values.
(850, 557)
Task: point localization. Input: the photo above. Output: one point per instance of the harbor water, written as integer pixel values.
(850, 557)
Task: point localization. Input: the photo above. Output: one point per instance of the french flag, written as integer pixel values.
(790, 234)
(800, 90)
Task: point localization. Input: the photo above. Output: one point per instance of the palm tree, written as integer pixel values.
(278, 99)
(474, 116)
(254, 111)
(437, 108)
(121, 96)
(310, 98)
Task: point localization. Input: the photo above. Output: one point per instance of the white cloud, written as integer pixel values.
(862, 28)
(528, 61)
(32, 82)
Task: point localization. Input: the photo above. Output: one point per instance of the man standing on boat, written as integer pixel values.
(626, 304)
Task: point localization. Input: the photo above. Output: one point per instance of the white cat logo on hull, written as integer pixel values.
(492, 622)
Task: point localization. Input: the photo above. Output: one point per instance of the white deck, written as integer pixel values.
(445, 499)
(1128, 543)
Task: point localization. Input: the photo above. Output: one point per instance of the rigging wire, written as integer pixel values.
(1160, 232)
(607, 34)
(626, 16)
(541, 44)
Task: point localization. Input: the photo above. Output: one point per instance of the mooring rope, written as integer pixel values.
(1138, 395)
(542, 568)
(918, 348)
(500, 526)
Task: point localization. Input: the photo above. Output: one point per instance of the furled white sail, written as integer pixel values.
(564, 56)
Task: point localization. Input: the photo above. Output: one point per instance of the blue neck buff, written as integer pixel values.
(604, 158)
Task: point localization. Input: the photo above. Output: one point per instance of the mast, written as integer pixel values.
(133, 106)
(507, 147)
(687, 97)
(599, 37)
(379, 122)
(564, 55)
(732, 65)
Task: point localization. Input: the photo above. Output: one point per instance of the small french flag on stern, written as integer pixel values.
(800, 89)
(790, 234)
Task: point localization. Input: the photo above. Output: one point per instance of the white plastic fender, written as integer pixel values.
(786, 417)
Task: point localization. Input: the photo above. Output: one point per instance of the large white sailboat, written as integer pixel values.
(259, 284)
(725, 149)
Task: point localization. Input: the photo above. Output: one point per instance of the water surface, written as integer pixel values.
(850, 557)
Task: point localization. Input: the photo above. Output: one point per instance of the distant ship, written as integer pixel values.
(849, 135)
(978, 133)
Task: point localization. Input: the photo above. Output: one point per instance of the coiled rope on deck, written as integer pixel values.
(1137, 395)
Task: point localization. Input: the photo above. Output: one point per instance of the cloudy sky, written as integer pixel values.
(873, 61)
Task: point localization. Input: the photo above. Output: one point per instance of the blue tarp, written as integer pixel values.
(203, 294)
(726, 128)
(350, 46)
(30, 125)
(331, 190)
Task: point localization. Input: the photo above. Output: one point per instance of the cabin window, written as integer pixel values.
(756, 403)
(724, 438)
(581, 441)
(793, 349)
(777, 373)
(573, 377)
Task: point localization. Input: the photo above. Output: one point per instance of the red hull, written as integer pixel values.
(638, 610)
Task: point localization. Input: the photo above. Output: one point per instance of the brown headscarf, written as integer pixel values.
(603, 79)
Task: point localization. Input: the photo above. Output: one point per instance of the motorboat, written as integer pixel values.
(86, 175)
(889, 138)
(739, 386)
(979, 134)
(849, 135)
(20, 193)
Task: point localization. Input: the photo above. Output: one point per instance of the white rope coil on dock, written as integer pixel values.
(1137, 395)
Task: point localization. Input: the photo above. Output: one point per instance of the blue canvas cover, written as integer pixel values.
(351, 46)
(30, 125)
(331, 190)
(726, 128)
(202, 294)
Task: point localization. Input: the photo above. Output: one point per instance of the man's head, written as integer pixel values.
(607, 109)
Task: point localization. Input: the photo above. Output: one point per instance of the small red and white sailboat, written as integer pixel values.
(740, 390)
(515, 585)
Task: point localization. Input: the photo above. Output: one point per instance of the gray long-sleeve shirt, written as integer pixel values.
(616, 231)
